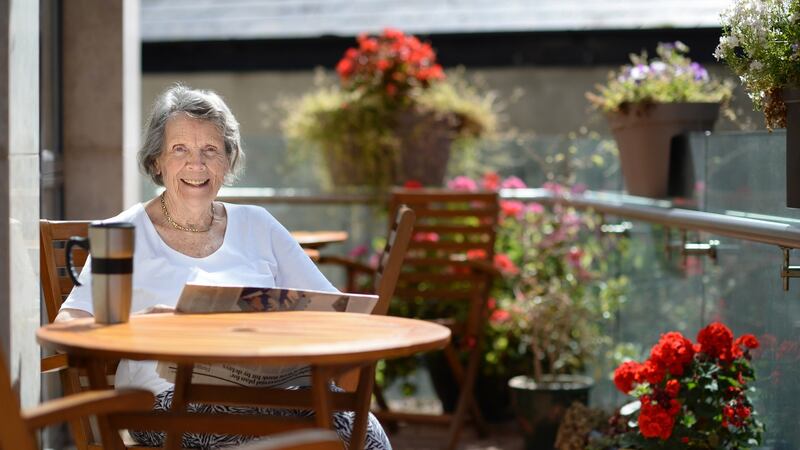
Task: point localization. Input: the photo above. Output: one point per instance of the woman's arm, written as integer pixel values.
(67, 314)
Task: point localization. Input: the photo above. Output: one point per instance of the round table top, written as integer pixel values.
(317, 239)
(293, 337)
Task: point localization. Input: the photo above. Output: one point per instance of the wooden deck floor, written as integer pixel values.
(505, 436)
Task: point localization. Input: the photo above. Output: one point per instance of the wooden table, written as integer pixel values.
(316, 239)
(331, 343)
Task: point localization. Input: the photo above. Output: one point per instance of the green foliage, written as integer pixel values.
(561, 292)
(669, 78)
(760, 42)
(360, 118)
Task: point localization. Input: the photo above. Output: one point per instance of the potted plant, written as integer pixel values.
(648, 103)
(692, 395)
(760, 42)
(393, 117)
(551, 312)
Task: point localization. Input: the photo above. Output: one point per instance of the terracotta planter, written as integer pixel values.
(644, 134)
(423, 139)
(541, 406)
(791, 96)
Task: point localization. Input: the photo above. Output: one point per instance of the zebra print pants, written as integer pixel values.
(342, 421)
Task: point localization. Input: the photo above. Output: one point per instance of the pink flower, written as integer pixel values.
(534, 208)
(462, 183)
(358, 251)
(574, 257)
(513, 182)
(554, 187)
(578, 188)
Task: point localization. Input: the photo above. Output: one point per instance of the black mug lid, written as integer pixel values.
(102, 224)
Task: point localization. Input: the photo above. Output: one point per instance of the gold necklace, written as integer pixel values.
(177, 226)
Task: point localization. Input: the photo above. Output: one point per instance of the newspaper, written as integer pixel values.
(198, 298)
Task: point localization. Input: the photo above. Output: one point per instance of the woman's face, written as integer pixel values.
(193, 163)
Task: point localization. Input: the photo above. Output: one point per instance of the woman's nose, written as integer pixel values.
(196, 160)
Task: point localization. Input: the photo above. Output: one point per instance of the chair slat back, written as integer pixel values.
(56, 283)
(392, 257)
(453, 229)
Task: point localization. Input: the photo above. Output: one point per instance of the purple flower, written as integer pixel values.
(700, 74)
(462, 183)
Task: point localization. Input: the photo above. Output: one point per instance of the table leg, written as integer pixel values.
(321, 393)
(366, 381)
(96, 371)
(183, 379)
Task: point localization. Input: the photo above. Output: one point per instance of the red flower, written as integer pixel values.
(626, 375)
(747, 340)
(673, 352)
(499, 316)
(716, 341)
(476, 253)
(673, 388)
(345, 68)
(655, 421)
(412, 184)
(504, 264)
(512, 208)
(651, 372)
(491, 181)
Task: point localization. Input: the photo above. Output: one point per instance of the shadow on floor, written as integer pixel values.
(503, 436)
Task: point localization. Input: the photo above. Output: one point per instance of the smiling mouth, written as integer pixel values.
(195, 183)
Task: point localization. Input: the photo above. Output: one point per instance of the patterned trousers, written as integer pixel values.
(342, 421)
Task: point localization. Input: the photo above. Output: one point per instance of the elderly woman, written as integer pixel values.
(192, 147)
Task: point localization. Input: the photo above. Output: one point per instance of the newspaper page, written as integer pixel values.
(198, 298)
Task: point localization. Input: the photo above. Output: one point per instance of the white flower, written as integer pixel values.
(756, 65)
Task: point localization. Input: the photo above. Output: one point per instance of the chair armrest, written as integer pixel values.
(312, 439)
(54, 363)
(87, 403)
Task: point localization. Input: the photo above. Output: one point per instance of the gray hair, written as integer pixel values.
(199, 104)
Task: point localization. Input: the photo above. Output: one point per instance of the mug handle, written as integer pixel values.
(79, 242)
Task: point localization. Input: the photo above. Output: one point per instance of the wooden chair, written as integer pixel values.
(17, 427)
(384, 276)
(56, 286)
(448, 273)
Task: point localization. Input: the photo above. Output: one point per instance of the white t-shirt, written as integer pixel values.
(256, 251)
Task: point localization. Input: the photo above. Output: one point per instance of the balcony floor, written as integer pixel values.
(503, 436)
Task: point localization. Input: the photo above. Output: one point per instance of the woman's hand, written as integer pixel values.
(155, 309)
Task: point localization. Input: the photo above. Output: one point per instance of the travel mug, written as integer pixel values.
(111, 246)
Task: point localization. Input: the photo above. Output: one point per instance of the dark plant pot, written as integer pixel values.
(791, 96)
(541, 406)
(491, 392)
(424, 140)
(644, 135)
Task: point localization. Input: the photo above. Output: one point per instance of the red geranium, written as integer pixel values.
(389, 64)
(694, 392)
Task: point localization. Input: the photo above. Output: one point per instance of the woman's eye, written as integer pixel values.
(179, 149)
(211, 150)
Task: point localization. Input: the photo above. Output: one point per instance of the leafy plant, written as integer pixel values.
(693, 395)
(547, 315)
(668, 78)
(761, 43)
(390, 90)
